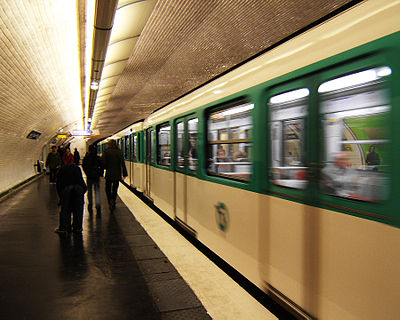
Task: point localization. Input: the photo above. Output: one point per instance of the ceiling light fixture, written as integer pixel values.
(94, 85)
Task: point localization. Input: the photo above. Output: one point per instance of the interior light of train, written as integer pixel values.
(217, 91)
(290, 96)
(355, 79)
(359, 112)
(238, 109)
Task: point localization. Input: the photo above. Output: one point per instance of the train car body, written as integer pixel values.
(287, 166)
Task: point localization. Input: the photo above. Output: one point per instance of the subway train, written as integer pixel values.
(286, 167)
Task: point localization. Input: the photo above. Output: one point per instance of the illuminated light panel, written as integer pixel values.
(94, 85)
(290, 96)
(355, 79)
(90, 9)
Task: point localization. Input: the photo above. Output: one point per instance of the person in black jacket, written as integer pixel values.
(372, 158)
(93, 169)
(70, 187)
(114, 163)
(77, 157)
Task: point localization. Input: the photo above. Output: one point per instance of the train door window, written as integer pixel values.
(288, 112)
(180, 129)
(229, 141)
(151, 143)
(126, 147)
(164, 145)
(354, 113)
(192, 138)
(135, 147)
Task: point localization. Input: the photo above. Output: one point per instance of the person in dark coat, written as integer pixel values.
(70, 187)
(93, 169)
(372, 158)
(114, 163)
(77, 157)
(53, 162)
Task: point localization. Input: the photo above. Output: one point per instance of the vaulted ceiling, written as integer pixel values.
(169, 48)
(186, 43)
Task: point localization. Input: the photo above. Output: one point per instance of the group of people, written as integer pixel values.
(71, 186)
(59, 157)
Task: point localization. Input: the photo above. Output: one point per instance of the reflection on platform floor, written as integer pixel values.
(89, 276)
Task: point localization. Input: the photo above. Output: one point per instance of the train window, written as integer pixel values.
(229, 142)
(192, 154)
(354, 113)
(288, 112)
(126, 147)
(180, 140)
(164, 145)
(151, 146)
(135, 146)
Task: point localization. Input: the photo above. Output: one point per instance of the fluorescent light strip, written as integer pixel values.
(355, 79)
(290, 96)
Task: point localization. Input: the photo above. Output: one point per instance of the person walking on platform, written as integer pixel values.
(114, 163)
(67, 156)
(70, 188)
(93, 169)
(53, 163)
(77, 157)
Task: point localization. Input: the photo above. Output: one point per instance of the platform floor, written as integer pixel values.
(127, 265)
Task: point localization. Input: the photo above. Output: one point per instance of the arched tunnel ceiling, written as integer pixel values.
(186, 43)
(183, 45)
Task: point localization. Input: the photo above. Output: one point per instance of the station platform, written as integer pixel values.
(129, 264)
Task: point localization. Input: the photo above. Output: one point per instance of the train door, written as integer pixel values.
(131, 159)
(186, 163)
(149, 160)
(293, 150)
(329, 149)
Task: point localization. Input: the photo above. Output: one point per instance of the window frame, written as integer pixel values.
(185, 148)
(239, 182)
(158, 151)
(377, 210)
(280, 190)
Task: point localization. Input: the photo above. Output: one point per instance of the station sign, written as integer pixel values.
(61, 136)
(82, 133)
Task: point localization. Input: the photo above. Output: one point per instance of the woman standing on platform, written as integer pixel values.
(67, 157)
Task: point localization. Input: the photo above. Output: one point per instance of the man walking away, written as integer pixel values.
(93, 169)
(70, 187)
(114, 163)
(53, 163)
(77, 157)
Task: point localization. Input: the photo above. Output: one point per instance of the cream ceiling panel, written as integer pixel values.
(110, 81)
(120, 50)
(104, 97)
(104, 91)
(115, 68)
(132, 19)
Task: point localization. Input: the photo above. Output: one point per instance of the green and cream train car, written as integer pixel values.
(131, 142)
(287, 167)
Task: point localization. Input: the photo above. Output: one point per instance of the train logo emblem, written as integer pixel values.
(222, 216)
